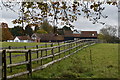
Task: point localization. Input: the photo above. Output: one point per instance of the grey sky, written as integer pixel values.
(112, 13)
(81, 24)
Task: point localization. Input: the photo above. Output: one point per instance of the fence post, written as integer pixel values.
(64, 48)
(51, 44)
(27, 65)
(69, 48)
(46, 49)
(64, 42)
(46, 45)
(10, 59)
(4, 65)
(80, 44)
(58, 47)
(59, 51)
(30, 64)
(76, 45)
(37, 52)
(41, 56)
(52, 54)
(25, 47)
(91, 60)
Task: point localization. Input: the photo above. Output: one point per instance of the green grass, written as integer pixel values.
(104, 64)
(19, 44)
(22, 44)
(22, 58)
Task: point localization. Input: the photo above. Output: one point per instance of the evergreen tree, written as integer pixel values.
(28, 30)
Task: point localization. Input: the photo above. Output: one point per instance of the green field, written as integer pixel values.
(19, 44)
(103, 63)
(22, 58)
(97, 61)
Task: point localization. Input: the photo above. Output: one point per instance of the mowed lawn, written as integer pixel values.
(97, 61)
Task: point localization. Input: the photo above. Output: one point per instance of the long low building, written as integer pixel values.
(47, 37)
(68, 35)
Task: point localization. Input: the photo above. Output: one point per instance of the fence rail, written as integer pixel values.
(35, 46)
(71, 48)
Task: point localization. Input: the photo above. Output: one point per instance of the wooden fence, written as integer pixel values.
(41, 45)
(36, 46)
(70, 48)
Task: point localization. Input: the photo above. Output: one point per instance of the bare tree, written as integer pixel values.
(109, 30)
(109, 34)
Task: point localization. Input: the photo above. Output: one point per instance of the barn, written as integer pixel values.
(47, 37)
(69, 35)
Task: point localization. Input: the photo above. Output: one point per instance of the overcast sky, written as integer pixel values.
(81, 24)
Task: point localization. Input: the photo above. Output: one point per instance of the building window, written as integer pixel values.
(16, 40)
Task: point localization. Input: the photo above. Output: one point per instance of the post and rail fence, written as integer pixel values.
(40, 45)
(50, 52)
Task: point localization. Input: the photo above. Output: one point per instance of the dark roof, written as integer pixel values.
(24, 37)
(88, 34)
(82, 34)
(49, 37)
(72, 35)
(68, 32)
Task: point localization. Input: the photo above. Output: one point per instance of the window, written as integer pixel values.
(16, 40)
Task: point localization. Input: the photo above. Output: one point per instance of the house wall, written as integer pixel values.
(10, 40)
(19, 40)
(16, 39)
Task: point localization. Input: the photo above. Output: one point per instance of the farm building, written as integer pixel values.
(69, 35)
(88, 35)
(21, 39)
(47, 37)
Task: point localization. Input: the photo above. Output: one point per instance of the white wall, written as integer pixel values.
(18, 40)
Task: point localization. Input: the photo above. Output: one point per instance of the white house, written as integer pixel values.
(21, 39)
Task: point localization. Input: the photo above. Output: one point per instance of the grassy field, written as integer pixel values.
(97, 61)
(22, 58)
(19, 44)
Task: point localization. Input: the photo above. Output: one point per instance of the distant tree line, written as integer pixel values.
(45, 28)
(109, 34)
